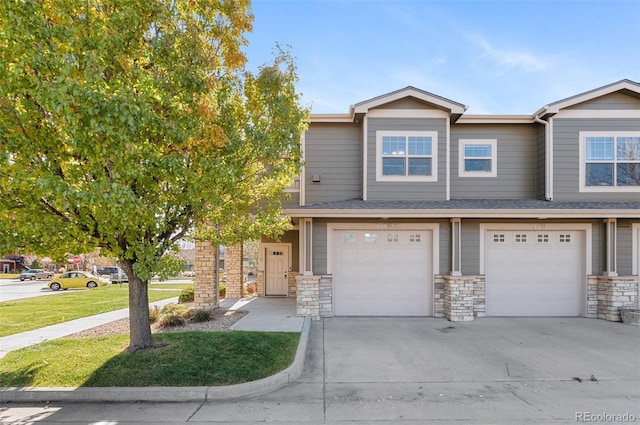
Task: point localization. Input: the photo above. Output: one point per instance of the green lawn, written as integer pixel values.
(32, 313)
(189, 359)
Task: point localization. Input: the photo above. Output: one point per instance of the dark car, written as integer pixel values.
(106, 271)
(33, 274)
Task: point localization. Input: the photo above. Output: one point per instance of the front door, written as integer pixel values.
(277, 271)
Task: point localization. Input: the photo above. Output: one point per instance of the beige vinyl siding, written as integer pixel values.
(566, 157)
(517, 162)
(334, 151)
(388, 191)
(609, 102)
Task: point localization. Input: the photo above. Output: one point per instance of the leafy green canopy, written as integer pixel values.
(126, 124)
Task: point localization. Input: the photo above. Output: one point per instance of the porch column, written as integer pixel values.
(611, 236)
(233, 265)
(205, 287)
(456, 251)
(306, 246)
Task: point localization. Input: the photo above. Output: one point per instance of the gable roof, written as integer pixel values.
(625, 86)
(454, 108)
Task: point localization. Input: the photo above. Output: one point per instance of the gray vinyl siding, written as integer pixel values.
(470, 247)
(517, 162)
(598, 247)
(290, 199)
(625, 247)
(388, 191)
(609, 102)
(445, 248)
(566, 157)
(334, 151)
(541, 161)
(319, 246)
(292, 237)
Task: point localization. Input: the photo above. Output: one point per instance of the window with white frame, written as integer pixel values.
(407, 155)
(609, 161)
(477, 158)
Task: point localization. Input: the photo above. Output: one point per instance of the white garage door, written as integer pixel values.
(382, 272)
(534, 273)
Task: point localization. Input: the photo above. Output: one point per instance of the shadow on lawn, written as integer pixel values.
(199, 359)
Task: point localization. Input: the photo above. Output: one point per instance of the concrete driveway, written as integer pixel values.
(425, 370)
(421, 371)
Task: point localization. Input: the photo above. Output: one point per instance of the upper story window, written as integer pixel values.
(609, 161)
(477, 158)
(407, 156)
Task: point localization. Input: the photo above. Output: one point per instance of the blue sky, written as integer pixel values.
(496, 57)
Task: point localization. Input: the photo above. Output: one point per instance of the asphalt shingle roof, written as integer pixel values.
(472, 204)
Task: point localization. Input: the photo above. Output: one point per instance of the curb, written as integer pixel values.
(164, 394)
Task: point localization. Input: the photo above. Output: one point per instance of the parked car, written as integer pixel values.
(107, 271)
(75, 279)
(33, 274)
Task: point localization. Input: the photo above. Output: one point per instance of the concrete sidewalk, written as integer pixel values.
(265, 315)
(36, 336)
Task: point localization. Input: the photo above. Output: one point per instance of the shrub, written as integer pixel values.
(154, 313)
(201, 316)
(169, 320)
(173, 308)
(187, 295)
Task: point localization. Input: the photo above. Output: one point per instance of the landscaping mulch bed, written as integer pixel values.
(221, 320)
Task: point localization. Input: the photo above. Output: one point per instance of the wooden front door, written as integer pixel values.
(277, 271)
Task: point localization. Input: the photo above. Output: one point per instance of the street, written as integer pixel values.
(13, 289)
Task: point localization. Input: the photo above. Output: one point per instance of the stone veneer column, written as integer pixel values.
(233, 267)
(205, 287)
(615, 292)
(458, 298)
(308, 299)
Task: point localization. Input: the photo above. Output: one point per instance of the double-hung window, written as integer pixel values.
(406, 155)
(609, 161)
(477, 158)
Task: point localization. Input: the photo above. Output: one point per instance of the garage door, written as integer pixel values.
(382, 273)
(534, 273)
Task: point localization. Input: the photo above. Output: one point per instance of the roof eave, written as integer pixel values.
(540, 214)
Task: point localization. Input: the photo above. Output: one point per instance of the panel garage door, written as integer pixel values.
(382, 273)
(534, 273)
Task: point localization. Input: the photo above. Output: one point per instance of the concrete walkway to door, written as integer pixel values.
(265, 314)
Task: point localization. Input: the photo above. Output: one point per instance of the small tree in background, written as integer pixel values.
(126, 124)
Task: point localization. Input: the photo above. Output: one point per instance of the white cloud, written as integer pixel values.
(506, 59)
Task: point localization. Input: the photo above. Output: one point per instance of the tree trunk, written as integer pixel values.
(139, 325)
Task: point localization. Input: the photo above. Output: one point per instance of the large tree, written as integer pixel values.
(126, 124)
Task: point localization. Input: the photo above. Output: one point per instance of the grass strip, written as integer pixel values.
(189, 359)
(27, 314)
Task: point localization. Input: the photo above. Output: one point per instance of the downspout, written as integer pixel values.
(548, 165)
